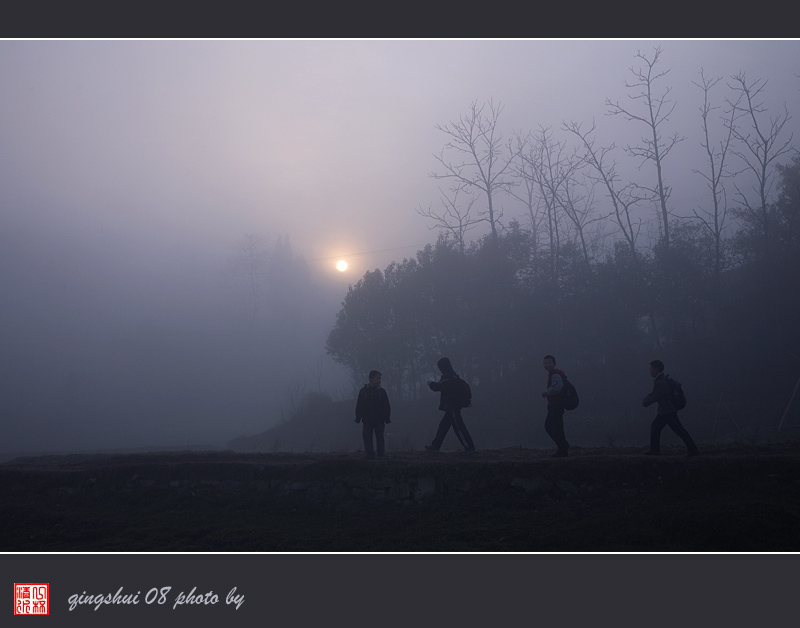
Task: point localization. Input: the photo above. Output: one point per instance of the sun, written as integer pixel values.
(341, 266)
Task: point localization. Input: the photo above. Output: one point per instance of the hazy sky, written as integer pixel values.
(164, 148)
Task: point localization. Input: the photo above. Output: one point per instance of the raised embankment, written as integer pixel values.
(733, 498)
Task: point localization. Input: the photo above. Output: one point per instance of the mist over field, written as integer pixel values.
(105, 355)
(171, 214)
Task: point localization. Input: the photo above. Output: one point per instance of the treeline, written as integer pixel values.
(498, 305)
(603, 271)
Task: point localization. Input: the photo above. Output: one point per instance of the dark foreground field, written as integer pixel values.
(735, 498)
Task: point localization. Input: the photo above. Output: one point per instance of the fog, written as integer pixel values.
(171, 211)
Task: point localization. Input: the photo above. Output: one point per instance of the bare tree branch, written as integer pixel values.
(714, 220)
(622, 199)
(453, 217)
(653, 146)
(476, 158)
(758, 147)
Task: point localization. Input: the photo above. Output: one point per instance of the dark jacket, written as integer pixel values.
(448, 400)
(372, 405)
(660, 394)
(555, 386)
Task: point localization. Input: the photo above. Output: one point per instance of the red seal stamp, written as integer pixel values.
(31, 598)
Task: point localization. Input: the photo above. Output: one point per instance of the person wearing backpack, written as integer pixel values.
(554, 423)
(373, 412)
(452, 399)
(667, 412)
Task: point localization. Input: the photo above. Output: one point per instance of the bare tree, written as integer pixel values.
(540, 159)
(577, 201)
(759, 146)
(553, 189)
(453, 218)
(475, 157)
(714, 219)
(657, 109)
(528, 195)
(555, 170)
(623, 197)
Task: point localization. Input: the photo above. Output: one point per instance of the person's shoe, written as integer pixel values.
(652, 453)
(469, 450)
(692, 454)
(561, 453)
(430, 448)
(370, 456)
(381, 456)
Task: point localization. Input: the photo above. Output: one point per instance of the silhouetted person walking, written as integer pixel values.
(667, 412)
(373, 409)
(554, 423)
(451, 404)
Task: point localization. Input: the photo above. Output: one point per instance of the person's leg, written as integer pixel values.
(366, 432)
(444, 425)
(460, 428)
(676, 426)
(554, 426)
(379, 441)
(655, 434)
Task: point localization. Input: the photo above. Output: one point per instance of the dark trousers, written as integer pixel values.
(554, 425)
(367, 429)
(452, 418)
(660, 422)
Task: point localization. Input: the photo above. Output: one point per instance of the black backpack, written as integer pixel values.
(463, 393)
(676, 393)
(569, 395)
